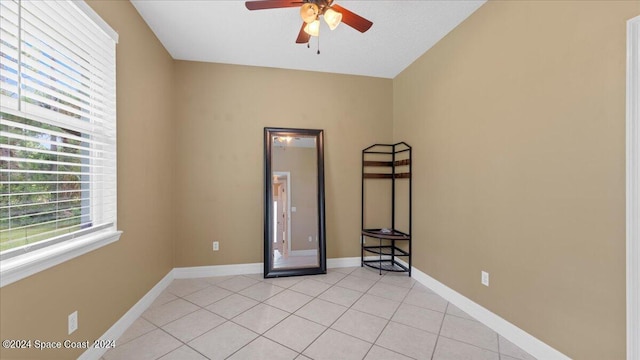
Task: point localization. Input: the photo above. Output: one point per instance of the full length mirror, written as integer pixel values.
(294, 229)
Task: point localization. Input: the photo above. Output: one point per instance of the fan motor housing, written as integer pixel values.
(322, 4)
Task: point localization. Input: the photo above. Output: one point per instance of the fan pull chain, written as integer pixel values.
(318, 45)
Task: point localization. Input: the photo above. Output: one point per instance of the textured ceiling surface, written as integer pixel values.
(226, 32)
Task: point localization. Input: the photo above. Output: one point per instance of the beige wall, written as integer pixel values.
(222, 110)
(102, 285)
(301, 163)
(517, 119)
(517, 124)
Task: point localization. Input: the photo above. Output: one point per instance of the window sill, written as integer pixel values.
(20, 267)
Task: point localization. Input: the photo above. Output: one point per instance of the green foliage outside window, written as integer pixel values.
(43, 184)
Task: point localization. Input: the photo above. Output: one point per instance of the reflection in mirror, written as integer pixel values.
(294, 202)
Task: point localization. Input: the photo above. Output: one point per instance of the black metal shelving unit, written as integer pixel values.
(387, 162)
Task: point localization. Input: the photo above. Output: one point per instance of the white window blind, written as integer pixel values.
(57, 124)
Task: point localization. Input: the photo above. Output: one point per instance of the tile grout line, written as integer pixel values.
(466, 343)
(259, 302)
(446, 308)
(286, 317)
(329, 327)
(351, 308)
(184, 343)
(226, 320)
(232, 292)
(182, 297)
(145, 333)
(389, 321)
(291, 314)
(243, 346)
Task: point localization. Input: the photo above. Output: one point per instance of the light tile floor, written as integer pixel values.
(349, 313)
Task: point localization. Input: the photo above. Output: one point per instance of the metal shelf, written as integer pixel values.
(386, 265)
(393, 235)
(385, 250)
(387, 162)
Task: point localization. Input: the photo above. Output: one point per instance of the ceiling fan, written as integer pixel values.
(310, 11)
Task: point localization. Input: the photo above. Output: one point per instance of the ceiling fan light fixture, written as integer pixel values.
(309, 12)
(313, 28)
(332, 18)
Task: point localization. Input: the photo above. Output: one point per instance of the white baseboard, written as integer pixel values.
(343, 262)
(129, 317)
(246, 269)
(519, 337)
(217, 270)
(351, 261)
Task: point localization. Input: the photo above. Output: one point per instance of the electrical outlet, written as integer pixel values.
(485, 278)
(310, 238)
(216, 246)
(73, 322)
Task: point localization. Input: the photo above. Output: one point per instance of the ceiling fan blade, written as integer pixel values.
(303, 37)
(271, 4)
(354, 20)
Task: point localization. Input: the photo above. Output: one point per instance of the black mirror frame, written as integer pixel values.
(269, 271)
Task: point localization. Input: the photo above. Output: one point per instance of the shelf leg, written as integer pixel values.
(393, 253)
(361, 250)
(380, 256)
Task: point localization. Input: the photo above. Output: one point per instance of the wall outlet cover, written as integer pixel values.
(73, 322)
(216, 246)
(484, 278)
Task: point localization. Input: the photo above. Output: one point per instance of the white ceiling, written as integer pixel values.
(226, 32)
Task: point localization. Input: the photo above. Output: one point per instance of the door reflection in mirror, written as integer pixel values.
(282, 218)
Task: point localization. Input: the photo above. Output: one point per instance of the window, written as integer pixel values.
(57, 134)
